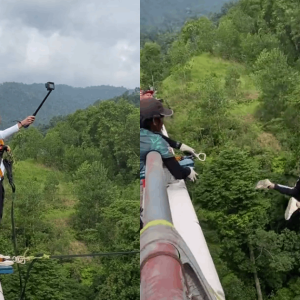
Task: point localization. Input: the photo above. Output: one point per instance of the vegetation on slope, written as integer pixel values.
(233, 85)
(77, 193)
(18, 99)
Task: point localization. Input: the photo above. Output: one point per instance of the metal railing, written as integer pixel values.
(156, 196)
(161, 270)
(169, 269)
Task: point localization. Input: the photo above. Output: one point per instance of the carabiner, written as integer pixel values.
(198, 156)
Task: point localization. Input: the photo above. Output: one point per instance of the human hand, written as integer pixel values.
(27, 121)
(193, 175)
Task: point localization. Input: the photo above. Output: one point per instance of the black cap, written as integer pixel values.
(150, 108)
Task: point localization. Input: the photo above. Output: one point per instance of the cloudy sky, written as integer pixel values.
(76, 42)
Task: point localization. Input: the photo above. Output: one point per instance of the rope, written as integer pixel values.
(14, 240)
(23, 290)
(22, 259)
(7, 261)
(44, 256)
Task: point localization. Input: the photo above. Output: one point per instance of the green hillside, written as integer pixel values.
(173, 13)
(76, 193)
(19, 100)
(234, 87)
(184, 96)
(60, 202)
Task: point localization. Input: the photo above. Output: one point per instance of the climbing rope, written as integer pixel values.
(9, 261)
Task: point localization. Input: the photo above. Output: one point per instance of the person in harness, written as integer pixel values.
(292, 211)
(152, 114)
(5, 164)
(174, 144)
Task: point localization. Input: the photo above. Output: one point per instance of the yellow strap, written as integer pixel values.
(155, 223)
(45, 256)
(215, 293)
(1, 173)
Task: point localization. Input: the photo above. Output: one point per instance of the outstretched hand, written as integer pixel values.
(27, 121)
(185, 148)
(193, 175)
(264, 184)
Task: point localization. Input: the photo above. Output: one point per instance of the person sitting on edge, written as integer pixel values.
(152, 114)
(174, 144)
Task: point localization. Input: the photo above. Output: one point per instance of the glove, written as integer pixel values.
(185, 148)
(263, 184)
(193, 175)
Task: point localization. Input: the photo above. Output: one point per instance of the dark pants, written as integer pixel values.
(294, 222)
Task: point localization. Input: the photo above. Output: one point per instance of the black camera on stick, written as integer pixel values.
(50, 87)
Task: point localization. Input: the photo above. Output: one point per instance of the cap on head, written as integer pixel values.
(151, 108)
(148, 92)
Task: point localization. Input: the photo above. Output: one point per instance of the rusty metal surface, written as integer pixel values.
(161, 274)
(187, 225)
(197, 283)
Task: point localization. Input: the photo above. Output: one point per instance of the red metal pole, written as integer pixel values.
(161, 274)
(161, 270)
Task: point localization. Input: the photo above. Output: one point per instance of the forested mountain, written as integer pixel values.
(171, 14)
(233, 83)
(77, 193)
(17, 100)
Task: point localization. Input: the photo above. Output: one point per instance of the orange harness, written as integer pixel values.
(1, 145)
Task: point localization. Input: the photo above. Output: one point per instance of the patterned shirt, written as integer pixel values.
(150, 141)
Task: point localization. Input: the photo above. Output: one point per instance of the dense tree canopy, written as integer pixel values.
(233, 83)
(77, 193)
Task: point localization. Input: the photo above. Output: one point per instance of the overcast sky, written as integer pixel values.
(76, 42)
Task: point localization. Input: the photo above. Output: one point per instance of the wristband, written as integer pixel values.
(20, 123)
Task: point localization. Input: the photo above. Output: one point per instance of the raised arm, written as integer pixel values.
(4, 134)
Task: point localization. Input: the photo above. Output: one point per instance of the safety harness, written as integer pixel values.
(7, 162)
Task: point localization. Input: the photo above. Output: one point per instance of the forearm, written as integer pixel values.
(285, 190)
(9, 131)
(176, 169)
(172, 143)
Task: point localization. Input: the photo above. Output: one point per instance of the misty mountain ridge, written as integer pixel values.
(171, 14)
(18, 100)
